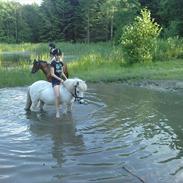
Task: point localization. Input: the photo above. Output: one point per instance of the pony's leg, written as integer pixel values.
(64, 108)
(69, 107)
(41, 105)
(34, 105)
(28, 105)
(28, 101)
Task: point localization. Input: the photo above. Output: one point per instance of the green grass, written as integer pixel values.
(109, 71)
(21, 76)
(95, 62)
(99, 71)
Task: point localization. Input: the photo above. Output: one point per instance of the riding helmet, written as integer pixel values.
(56, 51)
(51, 45)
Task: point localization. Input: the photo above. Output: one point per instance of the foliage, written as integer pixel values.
(94, 62)
(125, 14)
(168, 49)
(168, 13)
(83, 20)
(138, 39)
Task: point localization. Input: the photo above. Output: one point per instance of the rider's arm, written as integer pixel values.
(53, 74)
(64, 75)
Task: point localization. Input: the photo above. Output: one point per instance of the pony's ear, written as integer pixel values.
(77, 83)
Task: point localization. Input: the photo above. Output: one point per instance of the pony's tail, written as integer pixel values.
(28, 101)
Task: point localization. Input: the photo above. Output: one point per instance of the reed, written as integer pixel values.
(94, 62)
(18, 76)
(169, 49)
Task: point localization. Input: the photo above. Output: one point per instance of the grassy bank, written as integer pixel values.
(109, 71)
(99, 71)
(21, 76)
(98, 62)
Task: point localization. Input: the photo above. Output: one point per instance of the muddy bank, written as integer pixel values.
(160, 85)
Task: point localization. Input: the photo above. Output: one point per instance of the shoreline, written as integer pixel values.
(158, 85)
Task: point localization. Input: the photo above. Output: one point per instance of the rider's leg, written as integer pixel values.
(57, 99)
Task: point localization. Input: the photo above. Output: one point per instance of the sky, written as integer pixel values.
(28, 1)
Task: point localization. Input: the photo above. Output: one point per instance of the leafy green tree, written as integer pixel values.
(172, 16)
(12, 23)
(125, 14)
(33, 21)
(168, 13)
(88, 14)
(108, 9)
(52, 13)
(139, 38)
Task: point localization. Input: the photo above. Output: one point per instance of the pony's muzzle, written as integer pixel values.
(82, 101)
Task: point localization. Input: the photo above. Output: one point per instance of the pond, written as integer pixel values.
(126, 134)
(9, 59)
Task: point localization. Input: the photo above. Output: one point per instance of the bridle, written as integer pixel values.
(75, 95)
(77, 98)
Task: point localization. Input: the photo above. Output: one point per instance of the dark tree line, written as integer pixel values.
(83, 20)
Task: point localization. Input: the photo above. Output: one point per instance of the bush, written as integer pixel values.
(138, 39)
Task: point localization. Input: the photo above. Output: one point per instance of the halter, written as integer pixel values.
(77, 98)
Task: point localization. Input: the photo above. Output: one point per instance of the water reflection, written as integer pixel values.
(63, 133)
(125, 128)
(16, 58)
(8, 59)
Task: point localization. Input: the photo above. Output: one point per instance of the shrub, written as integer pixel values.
(138, 39)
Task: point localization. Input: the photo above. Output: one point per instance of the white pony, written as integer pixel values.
(42, 91)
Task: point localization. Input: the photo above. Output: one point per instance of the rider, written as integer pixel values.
(57, 73)
(51, 48)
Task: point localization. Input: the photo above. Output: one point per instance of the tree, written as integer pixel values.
(125, 14)
(138, 39)
(109, 8)
(12, 23)
(171, 11)
(51, 12)
(33, 20)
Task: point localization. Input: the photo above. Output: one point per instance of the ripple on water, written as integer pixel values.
(121, 134)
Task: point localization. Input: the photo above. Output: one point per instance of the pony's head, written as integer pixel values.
(39, 64)
(35, 67)
(76, 87)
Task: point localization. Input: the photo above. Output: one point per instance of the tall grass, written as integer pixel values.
(171, 48)
(96, 62)
(18, 76)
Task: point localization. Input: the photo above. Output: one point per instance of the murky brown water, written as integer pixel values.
(126, 135)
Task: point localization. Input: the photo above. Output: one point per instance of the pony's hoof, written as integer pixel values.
(57, 115)
(27, 109)
(82, 101)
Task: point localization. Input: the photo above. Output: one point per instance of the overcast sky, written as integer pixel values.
(28, 1)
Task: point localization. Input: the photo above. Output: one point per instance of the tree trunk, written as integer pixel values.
(88, 28)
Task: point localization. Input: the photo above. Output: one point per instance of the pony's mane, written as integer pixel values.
(43, 61)
(71, 83)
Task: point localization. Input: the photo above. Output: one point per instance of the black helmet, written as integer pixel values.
(56, 51)
(51, 45)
